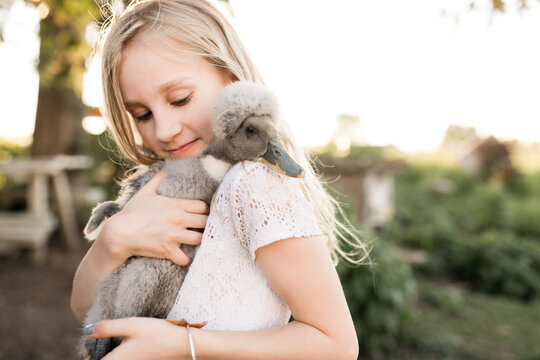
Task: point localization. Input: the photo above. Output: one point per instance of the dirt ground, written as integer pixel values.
(35, 319)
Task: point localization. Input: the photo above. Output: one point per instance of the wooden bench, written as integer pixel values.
(33, 227)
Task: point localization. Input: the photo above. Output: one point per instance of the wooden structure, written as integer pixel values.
(33, 227)
(488, 158)
(368, 183)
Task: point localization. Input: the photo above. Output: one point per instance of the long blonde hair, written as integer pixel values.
(204, 29)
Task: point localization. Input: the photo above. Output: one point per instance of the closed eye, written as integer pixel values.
(181, 102)
(144, 116)
(147, 115)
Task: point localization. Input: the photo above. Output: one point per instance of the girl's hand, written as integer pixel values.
(154, 226)
(144, 338)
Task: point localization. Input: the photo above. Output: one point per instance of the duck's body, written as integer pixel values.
(244, 127)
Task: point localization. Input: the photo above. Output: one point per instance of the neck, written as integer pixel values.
(215, 161)
(217, 150)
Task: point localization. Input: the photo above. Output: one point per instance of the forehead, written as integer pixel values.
(152, 68)
(141, 56)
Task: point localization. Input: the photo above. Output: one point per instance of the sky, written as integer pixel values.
(403, 68)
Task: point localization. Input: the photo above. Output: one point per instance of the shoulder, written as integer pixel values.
(259, 176)
(244, 169)
(266, 206)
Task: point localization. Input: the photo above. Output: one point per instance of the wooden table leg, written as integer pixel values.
(38, 194)
(66, 208)
(38, 205)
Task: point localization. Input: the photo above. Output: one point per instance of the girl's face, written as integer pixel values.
(171, 97)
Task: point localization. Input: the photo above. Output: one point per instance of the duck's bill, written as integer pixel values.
(277, 157)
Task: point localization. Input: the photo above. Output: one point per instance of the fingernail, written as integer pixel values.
(89, 329)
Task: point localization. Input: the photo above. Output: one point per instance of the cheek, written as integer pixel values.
(205, 128)
(201, 119)
(146, 131)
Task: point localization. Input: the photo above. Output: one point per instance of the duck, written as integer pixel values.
(245, 124)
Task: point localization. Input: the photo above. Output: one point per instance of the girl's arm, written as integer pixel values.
(149, 225)
(301, 272)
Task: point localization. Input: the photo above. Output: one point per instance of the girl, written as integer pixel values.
(264, 254)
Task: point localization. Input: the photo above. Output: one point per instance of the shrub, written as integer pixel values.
(485, 208)
(509, 265)
(379, 297)
(486, 233)
(525, 216)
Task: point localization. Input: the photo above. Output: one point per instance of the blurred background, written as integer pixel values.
(422, 116)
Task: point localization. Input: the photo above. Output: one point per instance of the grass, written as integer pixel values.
(454, 323)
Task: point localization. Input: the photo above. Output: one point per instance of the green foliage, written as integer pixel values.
(9, 150)
(379, 298)
(486, 233)
(376, 153)
(486, 207)
(524, 219)
(494, 262)
(11, 194)
(456, 135)
(63, 48)
(109, 163)
(475, 327)
(448, 300)
(370, 153)
(507, 264)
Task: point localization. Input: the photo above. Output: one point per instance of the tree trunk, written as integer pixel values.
(58, 121)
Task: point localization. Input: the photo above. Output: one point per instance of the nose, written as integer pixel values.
(166, 127)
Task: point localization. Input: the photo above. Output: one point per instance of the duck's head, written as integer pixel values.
(246, 128)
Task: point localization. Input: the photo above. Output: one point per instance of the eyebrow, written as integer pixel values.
(171, 83)
(163, 88)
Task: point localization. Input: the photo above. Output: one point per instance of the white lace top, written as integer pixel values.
(254, 206)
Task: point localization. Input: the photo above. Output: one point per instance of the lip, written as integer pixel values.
(182, 150)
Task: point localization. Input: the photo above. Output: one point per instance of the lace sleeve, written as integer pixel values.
(267, 206)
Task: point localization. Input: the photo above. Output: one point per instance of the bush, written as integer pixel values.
(9, 150)
(486, 233)
(486, 207)
(525, 216)
(12, 196)
(508, 265)
(379, 297)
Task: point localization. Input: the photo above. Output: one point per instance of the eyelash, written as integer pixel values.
(180, 102)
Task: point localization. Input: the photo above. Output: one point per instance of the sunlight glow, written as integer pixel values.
(407, 70)
(94, 125)
(43, 10)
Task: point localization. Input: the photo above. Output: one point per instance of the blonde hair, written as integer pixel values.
(200, 26)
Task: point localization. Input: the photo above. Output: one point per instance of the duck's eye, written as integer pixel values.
(277, 152)
(250, 131)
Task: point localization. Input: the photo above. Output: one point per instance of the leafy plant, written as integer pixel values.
(486, 233)
(379, 297)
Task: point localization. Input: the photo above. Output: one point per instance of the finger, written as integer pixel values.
(189, 237)
(194, 206)
(123, 351)
(179, 258)
(112, 328)
(151, 186)
(194, 221)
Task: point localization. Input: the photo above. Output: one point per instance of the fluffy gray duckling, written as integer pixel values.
(245, 128)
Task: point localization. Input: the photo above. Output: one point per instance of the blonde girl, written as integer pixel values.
(265, 252)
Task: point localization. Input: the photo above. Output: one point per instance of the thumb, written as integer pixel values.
(151, 186)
